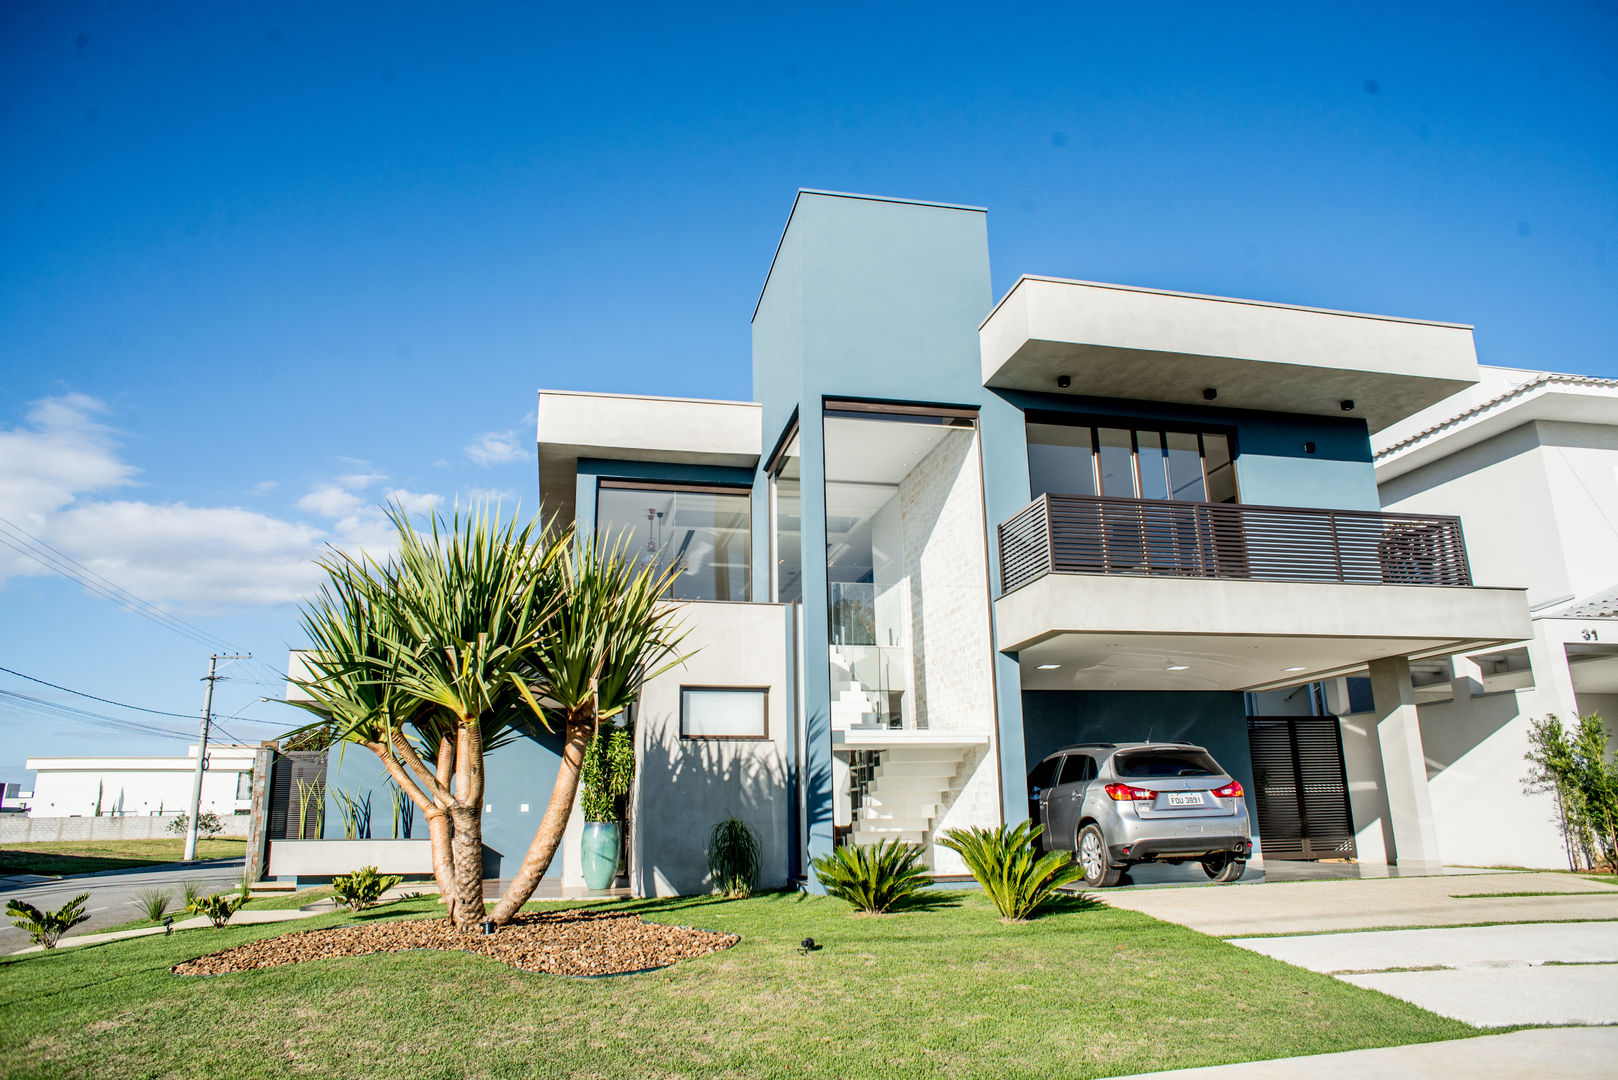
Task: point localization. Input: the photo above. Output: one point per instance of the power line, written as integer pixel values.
(42, 706)
(93, 697)
(58, 562)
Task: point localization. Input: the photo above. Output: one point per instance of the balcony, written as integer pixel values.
(1127, 594)
(1086, 534)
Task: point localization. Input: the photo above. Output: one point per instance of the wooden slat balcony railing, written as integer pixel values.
(1089, 534)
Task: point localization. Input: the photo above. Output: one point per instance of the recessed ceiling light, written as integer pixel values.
(1049, 667)
(1178, 667)
(1294, 669)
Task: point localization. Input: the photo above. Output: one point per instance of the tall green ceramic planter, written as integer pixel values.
(599, 850)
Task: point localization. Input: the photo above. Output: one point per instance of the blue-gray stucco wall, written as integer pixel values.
(1216, 720)
(866, 298)
(523, 771)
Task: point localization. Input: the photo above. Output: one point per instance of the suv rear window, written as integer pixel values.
(1144, 764)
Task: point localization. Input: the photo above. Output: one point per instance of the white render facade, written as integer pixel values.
(1529, 461)
(141, 786)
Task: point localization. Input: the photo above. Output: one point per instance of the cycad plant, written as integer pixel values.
(735, 857)
(1016, 878)
(46, 927)
(218, 907)
(363, 888)
(873, 877)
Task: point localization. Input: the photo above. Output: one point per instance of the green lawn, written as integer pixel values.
(89, 856)
(950, 991)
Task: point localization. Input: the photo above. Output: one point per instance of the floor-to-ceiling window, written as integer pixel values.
(907, 595)
(1080, 458)
(786, 543)
(705, 531)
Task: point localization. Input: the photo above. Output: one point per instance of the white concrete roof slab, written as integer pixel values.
(1515, 945)
(1502, 997)
(1546, 1053)
(1121, 632)
(625, 427)
(1117, 341)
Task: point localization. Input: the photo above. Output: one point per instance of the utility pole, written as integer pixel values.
(202, 753)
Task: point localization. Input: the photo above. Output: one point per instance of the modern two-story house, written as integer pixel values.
(950, 535)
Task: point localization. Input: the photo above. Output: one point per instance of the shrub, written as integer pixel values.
(1574, 765)
(155, 902)
(363, 888)
(735, 857)
(192, 891)
(219, 907)
(208, 825)
(872, 877)
(1015, 877)
(607, 773)
(45, 927)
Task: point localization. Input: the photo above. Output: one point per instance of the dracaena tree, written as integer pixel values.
(609, 632)
(424, 659)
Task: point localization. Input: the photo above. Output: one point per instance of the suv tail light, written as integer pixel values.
(1125, 793)
(1232, 790)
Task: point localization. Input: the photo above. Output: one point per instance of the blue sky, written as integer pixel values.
(263, 267)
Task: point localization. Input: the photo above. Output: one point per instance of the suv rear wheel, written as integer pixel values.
(1224, 867)
(1091, 847)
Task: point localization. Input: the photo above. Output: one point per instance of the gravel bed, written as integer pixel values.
(555, 943)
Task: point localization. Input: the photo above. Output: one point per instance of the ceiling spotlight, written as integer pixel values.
(1347, 404)
(1294, 669)
(1064, 381)
(1049, 667)
(1178, 667)
(1209, 394)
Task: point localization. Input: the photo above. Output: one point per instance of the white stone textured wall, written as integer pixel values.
(942, 506)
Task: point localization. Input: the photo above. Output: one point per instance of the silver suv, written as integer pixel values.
(1117, 804)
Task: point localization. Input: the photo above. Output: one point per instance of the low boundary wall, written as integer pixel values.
(23, 828)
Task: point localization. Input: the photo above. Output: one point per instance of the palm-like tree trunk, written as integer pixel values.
(579, 727)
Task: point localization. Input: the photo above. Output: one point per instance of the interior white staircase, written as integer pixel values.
(907, 794)
(853, 708)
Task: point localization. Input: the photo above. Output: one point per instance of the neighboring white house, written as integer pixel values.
(1529, 461)
(141, 786)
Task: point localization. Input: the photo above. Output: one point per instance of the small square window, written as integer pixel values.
(724, 712)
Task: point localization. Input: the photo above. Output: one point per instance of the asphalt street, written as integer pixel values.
(112, 893)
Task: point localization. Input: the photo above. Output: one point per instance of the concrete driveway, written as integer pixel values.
(112, 893)
(1544, 966)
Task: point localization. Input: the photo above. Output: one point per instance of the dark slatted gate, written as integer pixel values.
(308, 766)
(1300, 787)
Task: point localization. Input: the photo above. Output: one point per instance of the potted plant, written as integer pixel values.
(606, 776)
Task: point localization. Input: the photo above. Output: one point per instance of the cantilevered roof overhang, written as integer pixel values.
(1116, 341)
(1123, 632)
(625, 427)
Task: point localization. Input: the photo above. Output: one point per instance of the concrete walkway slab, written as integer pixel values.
(1310, 907)
(1503, 997)
(1546, 1053)
(1455, 947)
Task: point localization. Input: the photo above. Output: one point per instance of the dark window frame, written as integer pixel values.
(617, 483)
(762, 691)
(1135, 427)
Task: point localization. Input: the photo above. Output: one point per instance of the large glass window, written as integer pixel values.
(706, 532)
(1130, 463)
(787, 527)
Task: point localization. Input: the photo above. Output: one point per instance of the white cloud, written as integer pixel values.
(331, 502)
(59, 468)
(360, 481)
(494, 448)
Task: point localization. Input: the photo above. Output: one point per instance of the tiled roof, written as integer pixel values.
(1603, 605)
(1544, 379)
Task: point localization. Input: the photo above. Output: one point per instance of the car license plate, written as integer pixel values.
(1185, 798)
